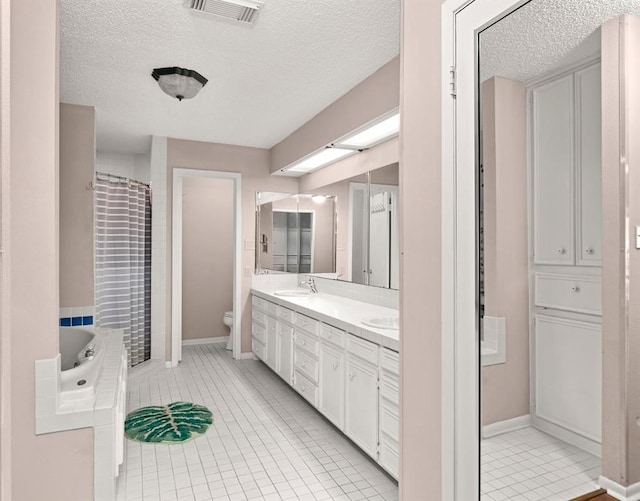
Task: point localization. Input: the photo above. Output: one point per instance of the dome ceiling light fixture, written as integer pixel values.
(179, 82)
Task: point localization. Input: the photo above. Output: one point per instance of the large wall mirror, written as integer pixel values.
(364, 240)
(295, 233)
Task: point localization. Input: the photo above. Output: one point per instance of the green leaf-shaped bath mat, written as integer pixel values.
(168, 424)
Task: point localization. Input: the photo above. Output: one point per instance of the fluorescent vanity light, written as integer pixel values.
(319, 199)
(319, 159)
(374, 134)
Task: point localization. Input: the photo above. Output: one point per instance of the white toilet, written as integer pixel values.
(228, 321)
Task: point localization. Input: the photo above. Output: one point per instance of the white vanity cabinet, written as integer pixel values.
(361, 405)
(353, 382)
(332, 374)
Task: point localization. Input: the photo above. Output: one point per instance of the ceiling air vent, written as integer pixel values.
(244, 11)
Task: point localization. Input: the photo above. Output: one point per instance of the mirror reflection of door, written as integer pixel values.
(540, 256)
(293, 237)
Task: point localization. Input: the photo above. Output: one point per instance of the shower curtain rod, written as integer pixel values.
(106, 177)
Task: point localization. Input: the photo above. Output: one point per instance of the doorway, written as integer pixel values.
(179, 176)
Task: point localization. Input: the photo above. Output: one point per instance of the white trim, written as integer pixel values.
(205, 340)
(170, 365)
(566, 435)
(630, 493)
(513, 424)
(247, 356)
(176, 258)
(461, 23)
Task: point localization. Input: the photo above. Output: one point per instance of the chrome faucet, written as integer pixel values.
(311, 283)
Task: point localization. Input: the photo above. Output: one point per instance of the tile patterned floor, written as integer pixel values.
(266, 442)
(528, 465)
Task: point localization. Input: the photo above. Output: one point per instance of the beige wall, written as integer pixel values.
(505, 387)
(207, 256)
(371, 98)
(253, 164)
(620, 319)
(77, 156)
(57, 465)
(420, 261)
(323, 249)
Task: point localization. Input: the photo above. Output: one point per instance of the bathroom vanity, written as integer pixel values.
(347, 371)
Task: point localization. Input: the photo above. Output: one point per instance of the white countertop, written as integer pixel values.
(340, 312)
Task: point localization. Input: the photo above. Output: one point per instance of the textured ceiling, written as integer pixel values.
(265, 80)
(546, 34)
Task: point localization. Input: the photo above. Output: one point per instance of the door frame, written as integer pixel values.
(176, 258)
(462, 21)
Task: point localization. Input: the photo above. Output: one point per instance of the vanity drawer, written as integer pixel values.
(285, 314)
(333, 335)
(390, 361)
(581, 294)
(309, 324)
(306, 364)
(306, 388)
(259, 332)
(272, 308)
(389, 391)
(258, 302)
(389, 421)
(306, 342)
(259, 349)
(363, 349)
(259, 316)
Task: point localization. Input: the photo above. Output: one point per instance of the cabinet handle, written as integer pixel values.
(304, 365)
(304, 343)
(575, 288)
(334, 366)
(329, 336)
(304, 388)
(561, 250)
(589, 250)
(351, 376)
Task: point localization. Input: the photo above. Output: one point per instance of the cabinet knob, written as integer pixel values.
(561, 250)
(304, 388)
(304, 365)
(351, 376)
(575, 288)
(329, 336)
(304, 343)
(334, 366)
(589, 250)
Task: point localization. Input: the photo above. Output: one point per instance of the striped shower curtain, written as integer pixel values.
(123, 262)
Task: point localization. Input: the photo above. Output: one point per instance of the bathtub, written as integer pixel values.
(80, 361)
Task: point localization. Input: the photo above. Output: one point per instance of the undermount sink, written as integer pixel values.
(293, 293)
(382, 322)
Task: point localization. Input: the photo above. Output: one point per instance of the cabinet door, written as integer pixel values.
(361, 404)
(272, 342)
(332, 385)
(589, 120)
(553, 172)
(568, 374)
(285, 352)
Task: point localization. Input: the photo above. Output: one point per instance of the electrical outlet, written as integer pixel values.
(248, 271)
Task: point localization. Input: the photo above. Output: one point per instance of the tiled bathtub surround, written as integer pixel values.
(389, 298)
(103, 410)
(77, 315)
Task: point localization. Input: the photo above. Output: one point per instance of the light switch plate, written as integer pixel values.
(637, 237)
(249, 245)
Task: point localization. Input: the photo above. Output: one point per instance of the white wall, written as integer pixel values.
(129, 165)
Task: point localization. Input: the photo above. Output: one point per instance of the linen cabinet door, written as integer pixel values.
(588, 85)
(332, 385)
(361, 409)
(553, 172)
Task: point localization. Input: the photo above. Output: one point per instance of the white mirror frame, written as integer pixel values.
(461, 22)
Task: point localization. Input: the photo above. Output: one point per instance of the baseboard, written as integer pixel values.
(247, 356)
(567, 435)
(205, 340)
(629, 493)
(500, 427)
(144, 368)
(170, 365)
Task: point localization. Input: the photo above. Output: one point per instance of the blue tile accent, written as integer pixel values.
(76, 321)
(65, 322)
(87, 320)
